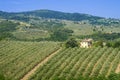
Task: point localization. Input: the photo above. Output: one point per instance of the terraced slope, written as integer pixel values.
(18, 58)
(71, 63)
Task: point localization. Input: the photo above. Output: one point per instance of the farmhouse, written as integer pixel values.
(86, 43)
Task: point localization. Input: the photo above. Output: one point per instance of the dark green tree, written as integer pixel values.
(98, 43)
(61, 35)
(2, 77)
(114, 44)
(71, 43)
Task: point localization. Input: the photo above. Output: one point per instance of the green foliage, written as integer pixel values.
(98, 43)
(60, 15)
(5, 35)
(17, 58)
(111, 77)
(114, 44)
(6, 26)
(114, 76)
(46, 24)
(80, 64)
(20, 18)
(102, 36)
(71, 43)
(26, 16)
(2, 77)
(61, 34)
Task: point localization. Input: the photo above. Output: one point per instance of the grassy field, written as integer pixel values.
(71, 63)
(17, 58)
(23, 31)
(30, 34)
(79, 29)
(87, 29)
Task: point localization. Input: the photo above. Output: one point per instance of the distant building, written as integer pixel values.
(86, 43)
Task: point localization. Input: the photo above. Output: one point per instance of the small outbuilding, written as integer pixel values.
(86, 43)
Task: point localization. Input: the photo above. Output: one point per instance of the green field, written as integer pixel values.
(30, 34)
(17, 58)
(79, 29)
(74, 62)
(87, 29)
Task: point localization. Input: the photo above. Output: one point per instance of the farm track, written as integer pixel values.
(118, 69)
(26, 76)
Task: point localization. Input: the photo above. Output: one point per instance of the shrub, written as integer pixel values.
(71, 43)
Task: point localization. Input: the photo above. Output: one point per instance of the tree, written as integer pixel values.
(2, 77)
(98, 43)
(7, 26)
(4, 35)
(71, 43)
(114, 44)
(61, 34)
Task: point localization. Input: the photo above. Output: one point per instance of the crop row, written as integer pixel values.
(17, 58)
(74, 62)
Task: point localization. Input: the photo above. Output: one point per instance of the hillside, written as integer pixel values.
(32, 45)
(40, 24)
(25, 16)
(51, 14)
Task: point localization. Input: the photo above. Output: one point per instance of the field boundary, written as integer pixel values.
(117, 69)
(32, 71)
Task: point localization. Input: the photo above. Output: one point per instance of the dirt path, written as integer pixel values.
(118, 69)
(26, 77)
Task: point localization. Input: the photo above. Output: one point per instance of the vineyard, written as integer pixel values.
(74, 62)
(17, 58)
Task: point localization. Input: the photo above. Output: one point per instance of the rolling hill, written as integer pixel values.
(26, 41)
(42, 23)
(58, 15)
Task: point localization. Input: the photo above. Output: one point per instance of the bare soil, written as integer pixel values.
(118, 69)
